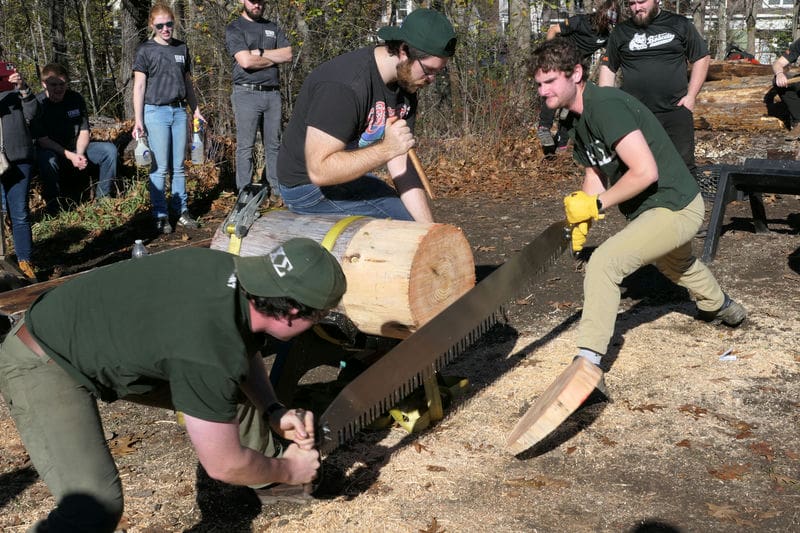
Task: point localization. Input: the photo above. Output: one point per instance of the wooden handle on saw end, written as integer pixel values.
(412, 154)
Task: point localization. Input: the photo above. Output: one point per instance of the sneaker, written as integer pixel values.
(27, 268)
(281, 492)
(731, 313)
(545, 137)
(186, 221)
(163, 225)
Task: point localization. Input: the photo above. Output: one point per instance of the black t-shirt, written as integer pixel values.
(578, 29)
(347, 99)
(243, 34)
(63, 121)
(654, 58)
(165, 66)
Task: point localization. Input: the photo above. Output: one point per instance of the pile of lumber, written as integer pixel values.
(739, 96)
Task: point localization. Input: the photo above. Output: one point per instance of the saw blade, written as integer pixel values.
(398, 373)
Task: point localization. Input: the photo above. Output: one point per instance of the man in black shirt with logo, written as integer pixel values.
(652, 49)
(258, 46)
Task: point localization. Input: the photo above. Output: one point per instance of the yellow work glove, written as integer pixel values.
(580, 207)
(579, 233)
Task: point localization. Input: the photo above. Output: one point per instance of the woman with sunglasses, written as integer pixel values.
(162, 86)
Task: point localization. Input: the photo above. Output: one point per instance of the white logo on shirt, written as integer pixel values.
(232, 281)
(280, 262)
(641, 41)
(597, 155)
(269, 33)
(179, 58)
(73, 113)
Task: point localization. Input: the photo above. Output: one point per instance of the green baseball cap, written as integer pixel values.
(424, 29)
(299, 268)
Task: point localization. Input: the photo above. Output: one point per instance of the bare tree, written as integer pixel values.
(133, 24)
(58, 30)
(750, 13)
(698, 10)
(722, 29)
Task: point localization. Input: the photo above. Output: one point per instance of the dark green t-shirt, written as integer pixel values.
(609, 114)
(176, 317)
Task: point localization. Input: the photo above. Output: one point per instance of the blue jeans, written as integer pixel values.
(254, 109)
(167, 134)
(16, 184)
(367, 195)
(102, 155)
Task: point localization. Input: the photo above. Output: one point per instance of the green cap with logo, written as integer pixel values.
(424, 29)
(299, 268)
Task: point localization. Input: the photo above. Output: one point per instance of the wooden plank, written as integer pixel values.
(561, 399)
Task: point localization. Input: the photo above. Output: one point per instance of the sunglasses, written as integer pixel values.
(160, 25)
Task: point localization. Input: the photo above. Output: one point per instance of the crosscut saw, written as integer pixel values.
(401, 370)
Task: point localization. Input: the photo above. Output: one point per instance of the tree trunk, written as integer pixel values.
(133, 23)
(699, 16)
(519, 52)
(722, 29)
(750, 13)
(58, 33)
(88, 49)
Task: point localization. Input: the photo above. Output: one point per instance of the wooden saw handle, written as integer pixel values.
(412, 154)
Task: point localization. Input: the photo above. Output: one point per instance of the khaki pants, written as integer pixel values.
(60, 426)
(659, 236)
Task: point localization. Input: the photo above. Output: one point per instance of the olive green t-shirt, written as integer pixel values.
(176, 317)
(608, 115)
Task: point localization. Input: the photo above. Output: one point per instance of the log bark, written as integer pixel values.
(399, 274)
(747, 104)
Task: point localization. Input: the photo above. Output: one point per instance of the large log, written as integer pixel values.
(399, 274)
(747, 104)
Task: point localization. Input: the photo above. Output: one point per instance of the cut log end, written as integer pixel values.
(557, 403)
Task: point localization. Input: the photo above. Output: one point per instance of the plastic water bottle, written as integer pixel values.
(142, 152)
(139, 249)
(198, 146)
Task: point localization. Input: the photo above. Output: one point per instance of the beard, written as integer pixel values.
(406, 80)
(643, 20)
(253, 15)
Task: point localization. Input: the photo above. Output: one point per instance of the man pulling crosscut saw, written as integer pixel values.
(629, 163)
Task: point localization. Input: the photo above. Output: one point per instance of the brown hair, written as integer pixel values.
(54, 69)
(603, 20)
(160, 9)
(557, 55)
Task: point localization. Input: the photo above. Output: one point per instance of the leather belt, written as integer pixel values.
(177, 103)
(255, 87)
(27, 339)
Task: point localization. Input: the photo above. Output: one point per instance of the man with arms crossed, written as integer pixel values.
(258, 46)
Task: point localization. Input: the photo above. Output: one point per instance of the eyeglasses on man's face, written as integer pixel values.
(428, 72)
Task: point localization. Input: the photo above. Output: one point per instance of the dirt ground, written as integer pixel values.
(690, 442)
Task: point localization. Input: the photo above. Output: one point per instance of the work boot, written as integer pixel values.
(27, 268)
(187, 221)
(545, 137)
(731, 313)
(163, 225)
(794, 133)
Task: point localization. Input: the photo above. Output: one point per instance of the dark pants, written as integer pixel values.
(791, 97)
(102, 156)
(679, 125)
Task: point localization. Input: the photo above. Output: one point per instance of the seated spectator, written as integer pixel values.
(62, 136)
